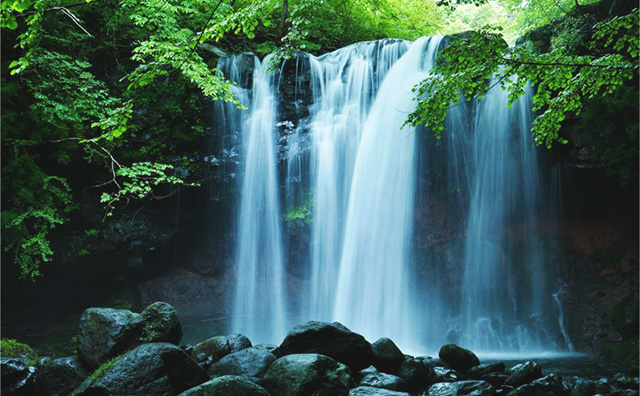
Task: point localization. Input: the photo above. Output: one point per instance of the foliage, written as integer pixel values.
(13, 348)
(302, 212)
(470, 65)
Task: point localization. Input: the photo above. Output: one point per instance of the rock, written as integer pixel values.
(329, 339)
(523, 374)
(446, 375)
(484, 369)
(307, 375)
(150, 369)
(549, 385)
(104, 333)
(624, 381)
(59, 377)
(210, 351)
(16, 376)
(363, 373)
(250, 363)
(370, 391)
(495, 379)
(584, 387)
(226, 386)
(269, 348)
(383, 380)
(387, 357)
(416, 374)
(160, 323)
(458, 358)
(472, 388)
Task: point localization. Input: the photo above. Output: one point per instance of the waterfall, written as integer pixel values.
(344, 85)
(259, 303)
(373, 294)
(325, 135)
(499, 243)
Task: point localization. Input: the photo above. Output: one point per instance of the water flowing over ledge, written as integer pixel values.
(323, 138)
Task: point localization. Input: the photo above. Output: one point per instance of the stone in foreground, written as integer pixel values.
(17, 376)
(458, 358)
(250, 363)
(523, 374)
(307, 375)
(150, 369)
(210, 351)
(104, 333)
(329, 339)
(59, 377)
(387, 357)
(227, 385)
(370, 391)
(460, 388)
(161, 324)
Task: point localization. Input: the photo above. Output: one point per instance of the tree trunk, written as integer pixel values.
(283, 20)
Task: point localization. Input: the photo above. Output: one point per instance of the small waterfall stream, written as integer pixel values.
(353, 180)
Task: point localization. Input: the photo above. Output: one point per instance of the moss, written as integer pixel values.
(11, 347)
(106, 366)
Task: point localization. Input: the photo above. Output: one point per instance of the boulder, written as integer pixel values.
(269, 348)
(523, 374)
(495, 379)
(370, 391)
(16, 376)
(458, 358)
(416, 374)
(250, 363)
(549, 385)
(387, 357)
(104, 333)
(483, 369)
(383, 380)
(150, 369)
(226, 386)
(59, 377)
(460, 388)
(329, 339)
(160, 323)
(307, 375)
(446, 375)
(210, 351)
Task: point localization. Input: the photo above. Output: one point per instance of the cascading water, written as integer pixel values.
(373, 293)
(259, 303)
(357, 178)
(344, 83)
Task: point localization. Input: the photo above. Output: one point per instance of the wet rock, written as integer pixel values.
(329, 339)
(458, 358)
(446, 375)
(383, 380)
(226, 386)
(523, 374)
(104, 333)
(484, 369)
(16, 376)
(210, 351)
(59, 377)
(250, 363)
(549, 385)
(160, 323)
(624, 381)
(370, 391)
(387, 357)
(416, 374)
(495, 379)
(584, 387)
(473, 388)
(269, 348)
(307, 375)
(150, 369)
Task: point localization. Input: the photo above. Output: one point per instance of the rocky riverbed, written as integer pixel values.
(119, 352)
